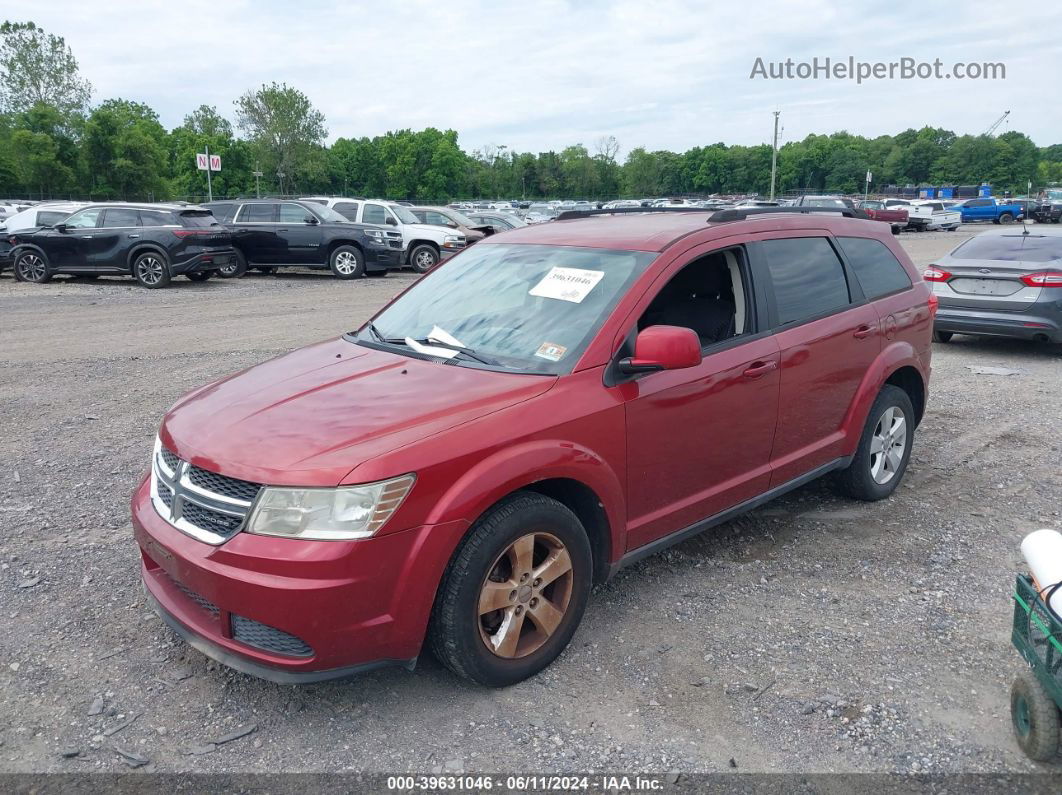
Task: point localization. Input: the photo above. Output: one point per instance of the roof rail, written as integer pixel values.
(567, 215)
(742, 213)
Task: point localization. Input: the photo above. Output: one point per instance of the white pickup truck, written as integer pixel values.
(927, 215)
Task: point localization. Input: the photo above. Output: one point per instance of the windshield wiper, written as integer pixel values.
(381, 338)
(433, 342)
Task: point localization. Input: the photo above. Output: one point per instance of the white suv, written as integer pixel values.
(424, 246)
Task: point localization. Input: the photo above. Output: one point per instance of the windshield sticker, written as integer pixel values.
(567, 284)
(551, 351)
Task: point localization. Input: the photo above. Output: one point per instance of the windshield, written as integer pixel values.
(1011, 248)
(462, 220)
(1054, 195)
(823, 203)
(527, 307)
(403, 213)
(542, 209)
(326, 214)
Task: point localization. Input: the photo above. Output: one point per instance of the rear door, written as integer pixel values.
(119, 229)
(254, 232)
(828, 336)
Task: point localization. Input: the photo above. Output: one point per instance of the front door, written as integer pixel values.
(68, 249)
(699, 440)
(300, 240)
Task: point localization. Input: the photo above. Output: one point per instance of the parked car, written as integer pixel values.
(30, 218)
(150, 242)
(553, 404)
(895, 217)
(497, 222)
(270, 233)
(823, 201)
(1002, 283)
(1049, 211)
(935, 215)
(542, 213)
(452, 219)
(988, 209)
(424, 246)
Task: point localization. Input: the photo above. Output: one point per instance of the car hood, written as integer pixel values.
(429, 230)
(311, 416)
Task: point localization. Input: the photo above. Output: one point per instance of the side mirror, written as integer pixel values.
(663, 348)
(391, 221)
(312, 220)
(60, 227)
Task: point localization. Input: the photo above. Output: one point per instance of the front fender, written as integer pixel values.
(509, 469)
(895, 355)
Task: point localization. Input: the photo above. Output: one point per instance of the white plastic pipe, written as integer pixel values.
(1042, 550)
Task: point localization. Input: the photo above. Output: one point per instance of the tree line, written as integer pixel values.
(54, 144)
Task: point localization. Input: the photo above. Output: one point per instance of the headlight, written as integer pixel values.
(453, 241)
(341, 514)
(376, 234)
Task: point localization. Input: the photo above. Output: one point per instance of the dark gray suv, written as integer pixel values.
(1003, 283)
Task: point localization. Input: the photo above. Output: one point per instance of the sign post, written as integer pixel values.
(207, 162)
(257, 192)
(866, 188)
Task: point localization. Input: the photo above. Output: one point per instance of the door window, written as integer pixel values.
(374, 214)
(120, 217)
(877, 269)
(807, 276)
(710, 296)
(85, 219)
(257, 214)
(293, 214)
(348, 210)
(156, 218)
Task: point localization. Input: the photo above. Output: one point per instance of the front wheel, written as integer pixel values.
(423, 258)
(31, 267)
(942, 336)
(884, 448)
(347, 262)
(514, 593)
(1035, 718)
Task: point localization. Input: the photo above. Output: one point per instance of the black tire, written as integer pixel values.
(455, 635)
(896, 230)
(860, 479)
(265, 269)
(151, 270)
(942, 336)
(423, 257)
(347, 262)
(236, 269)
(199, 276)
(1035, 718)
(1006, 218)
(30, 266)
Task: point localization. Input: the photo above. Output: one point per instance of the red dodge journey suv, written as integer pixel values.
(546, 407)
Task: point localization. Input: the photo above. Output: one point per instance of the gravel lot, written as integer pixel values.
(813, 635)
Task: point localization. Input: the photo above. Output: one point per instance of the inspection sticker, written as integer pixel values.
(567, 284)
(551, 351)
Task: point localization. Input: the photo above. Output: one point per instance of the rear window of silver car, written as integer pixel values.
(1017, 247)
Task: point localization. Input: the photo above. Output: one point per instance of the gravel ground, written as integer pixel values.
(812, 635)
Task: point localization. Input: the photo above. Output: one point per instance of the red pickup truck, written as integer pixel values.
(895, 217)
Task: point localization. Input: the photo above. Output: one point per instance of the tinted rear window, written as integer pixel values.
(878, 270)
(222, 212)
(156, 218)
(257, 213)
(1011, 248)
(808, 278)
(120, 217)
(196, 218)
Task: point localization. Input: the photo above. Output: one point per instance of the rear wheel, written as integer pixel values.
(514, 593)
(236, 268)
(942, 336)
(347, 262)
(423, 258)
(151, 270)
(1035, 718)
(31, 267)
(884, 448)
(1006, 218)
(265, 269)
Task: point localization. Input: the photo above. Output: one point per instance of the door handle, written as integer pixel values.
(283, 230)
(863, 332)
(86, 237)
(759, 369)
(132, 235)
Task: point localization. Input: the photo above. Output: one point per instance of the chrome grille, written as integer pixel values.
(203, 504)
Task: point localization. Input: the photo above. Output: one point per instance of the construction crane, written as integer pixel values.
(996, 123)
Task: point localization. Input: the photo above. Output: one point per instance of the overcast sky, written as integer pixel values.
(542, 74)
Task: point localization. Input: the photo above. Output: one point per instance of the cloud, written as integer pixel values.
(543, 75)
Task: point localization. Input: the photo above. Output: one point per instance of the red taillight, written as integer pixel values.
(935, 274)
(934, 304)
(193, 232)
(1043, 279)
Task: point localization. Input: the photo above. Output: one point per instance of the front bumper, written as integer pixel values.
(204, 261)
(1022, 325)
(382, 258)
(290, 610)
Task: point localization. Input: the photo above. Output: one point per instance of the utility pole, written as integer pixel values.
(774, 154)
(257, 175)
(210, 190)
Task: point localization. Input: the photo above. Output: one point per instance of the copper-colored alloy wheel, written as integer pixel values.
(525, 595)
